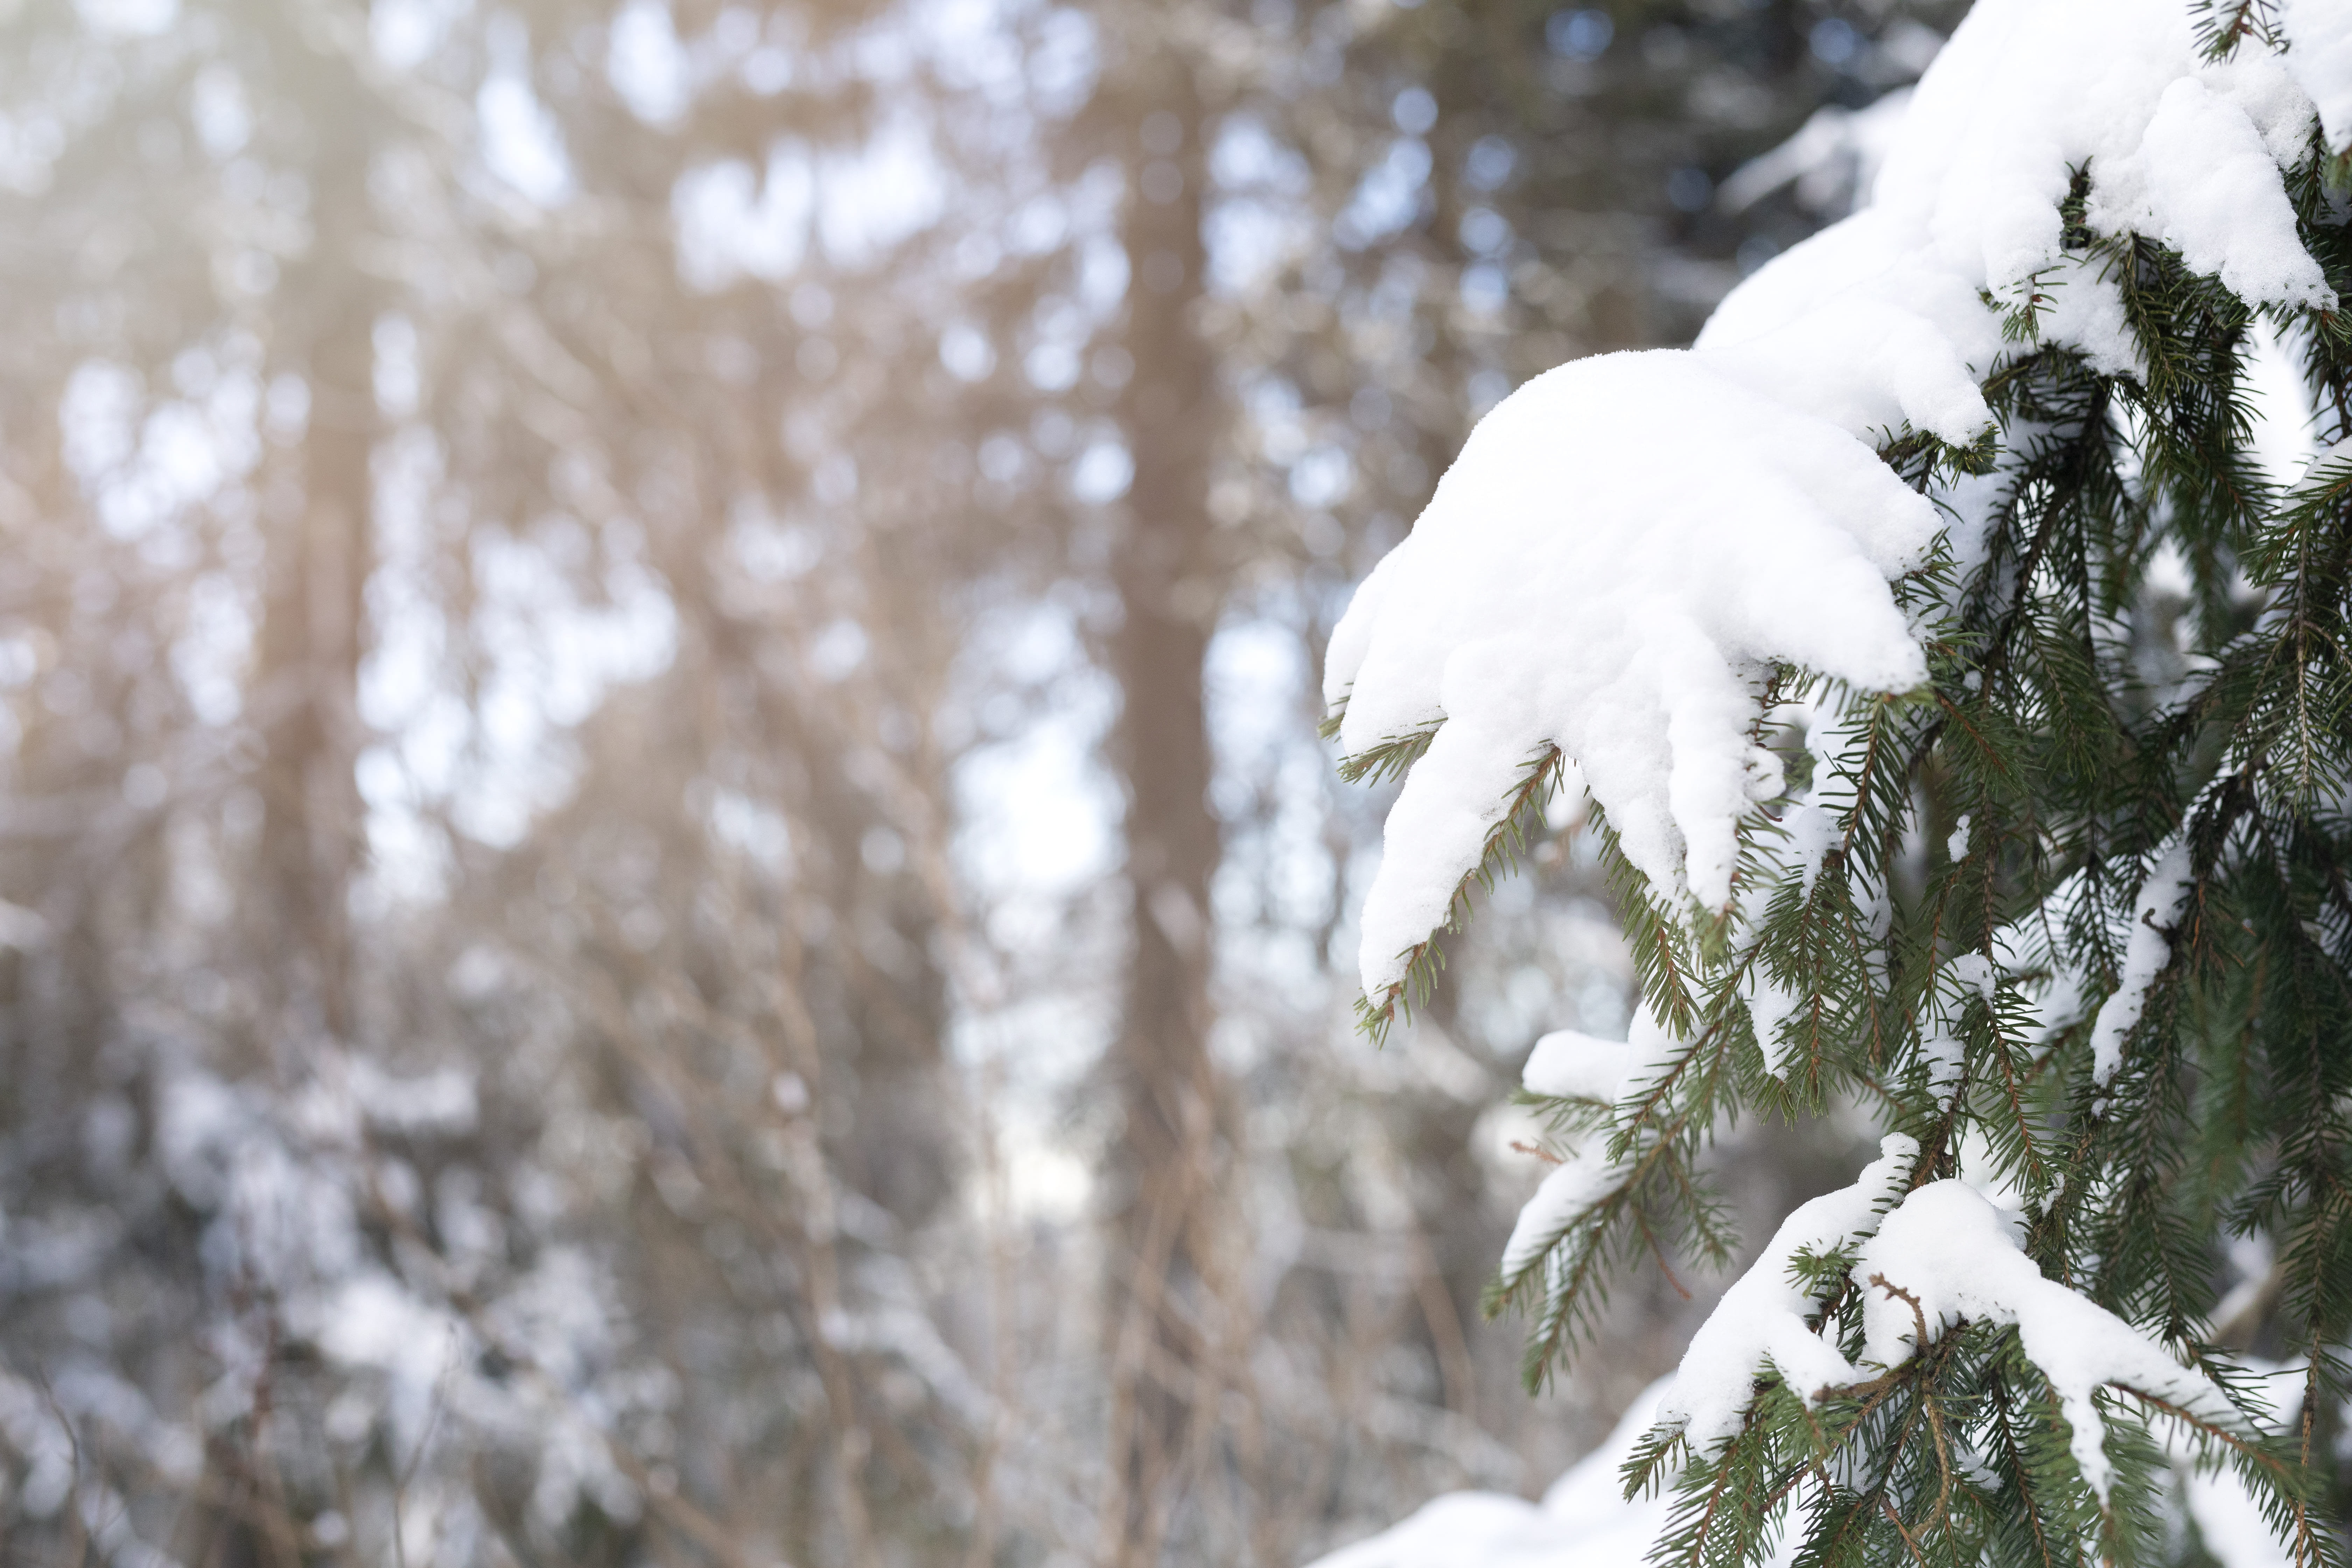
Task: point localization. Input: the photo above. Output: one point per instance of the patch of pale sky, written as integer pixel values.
(1255, 223)
(552, 657)
(404, 33)
(521, 144)
(973, 45)
(209, 660)
(1388, 196)
(870, 198)
(1038, 824)
(732, 223)
(216, 104)
(646, 64)
(1248, 239)
(128, 18)
(1039, 815)
(144, 461)
(1102, 473)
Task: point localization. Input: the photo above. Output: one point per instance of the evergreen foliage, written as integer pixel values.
(2148, 653)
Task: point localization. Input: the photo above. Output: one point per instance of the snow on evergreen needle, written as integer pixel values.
(1760, 1323)
(1946, 1256)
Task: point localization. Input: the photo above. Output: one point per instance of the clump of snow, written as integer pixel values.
(2319, 56)
(1770, 1005)
(1570, 1065)
(1629, 618)
(2205, 183)
(1810, 826)
(1865, 328)
(2029, 90)
(1760, 1321)
(1945, 1059)
(1567, 1064)
(1977, 972)
(1957, 1258)
(1573, 1187)
(2146, 952)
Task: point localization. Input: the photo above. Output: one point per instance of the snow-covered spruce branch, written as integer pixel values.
(1965, 716)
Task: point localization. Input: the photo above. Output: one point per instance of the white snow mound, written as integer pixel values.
(1584, 1521)
(1585, 577)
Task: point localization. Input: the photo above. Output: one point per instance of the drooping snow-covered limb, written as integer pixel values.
(1760, 1321)
(1581, 578)
(2147, 951)
(1951, 1254)
(1567, 1195)
(1567, 1064)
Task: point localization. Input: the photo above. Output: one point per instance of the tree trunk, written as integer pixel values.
(306, 684)
(305, 705)
(1163, 1170)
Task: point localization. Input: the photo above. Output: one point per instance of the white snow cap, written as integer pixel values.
(2028, 90)
(1586, 576)
(1574, 1186)
(1627, 545)
(1761, 1319)
(1958, 1257)
(1569, 1064)
(2319, 54)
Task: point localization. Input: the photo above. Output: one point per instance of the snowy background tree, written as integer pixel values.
(1959, 703)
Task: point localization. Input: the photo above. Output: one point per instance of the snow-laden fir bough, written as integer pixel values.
(1967, 721)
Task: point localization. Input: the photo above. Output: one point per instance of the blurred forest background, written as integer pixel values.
(666, 889)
